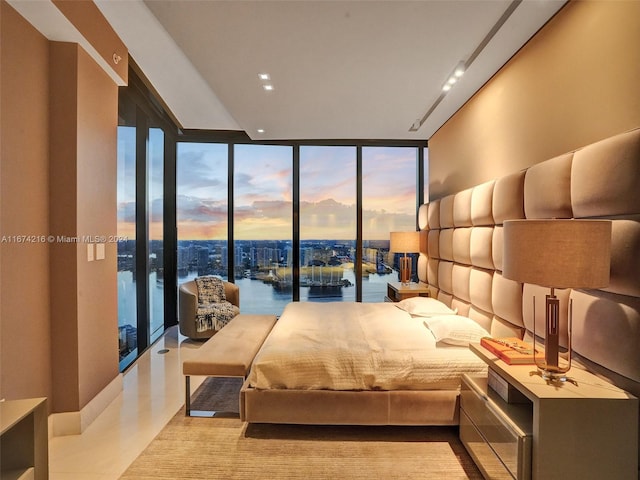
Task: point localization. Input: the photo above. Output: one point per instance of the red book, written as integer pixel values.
(511, 350)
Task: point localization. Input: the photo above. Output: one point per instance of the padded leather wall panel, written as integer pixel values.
(462, 208)
(547, 189)
(433, 214)
(446, 212)
(462, 308)
(508, 198)
(423, 216)
(601, 180)
(445, 297)
(460, 276)
(605, 177)
(506, 299)
(497, 247)
(482, 204)
(432, 272)
(445, 276)
(625, 256)
(433, 244)
(616, 346)
(423, 271)
(484, 319)
(462, 245)
(480, 283)
(503, 328)
(480, 247)
(446, 244)
(424, 242)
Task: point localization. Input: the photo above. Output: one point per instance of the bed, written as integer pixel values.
(461, 262)
(373, 363)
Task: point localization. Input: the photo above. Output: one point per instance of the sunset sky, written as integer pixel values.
(263, 191)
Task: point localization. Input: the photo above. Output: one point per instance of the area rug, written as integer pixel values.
(226, 448)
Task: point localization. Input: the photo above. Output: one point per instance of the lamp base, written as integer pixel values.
(550, 375)
(553, 378)
(405, 270)
(550, 369)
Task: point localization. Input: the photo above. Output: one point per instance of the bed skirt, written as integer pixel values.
(330, 407)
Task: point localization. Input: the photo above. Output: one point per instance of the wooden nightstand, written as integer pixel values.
(585, 428)
(396, 291)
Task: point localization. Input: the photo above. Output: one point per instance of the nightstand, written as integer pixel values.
(585, 428)
(396, 291)
(24, 439)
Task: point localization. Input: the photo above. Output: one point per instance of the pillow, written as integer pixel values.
(424, 307)
(455, 330)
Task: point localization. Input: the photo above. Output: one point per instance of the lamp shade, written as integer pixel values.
(558, 253)
(405, 242)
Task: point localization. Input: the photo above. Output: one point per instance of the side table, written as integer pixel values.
(24, 439)
(396, 291)
(583, 428)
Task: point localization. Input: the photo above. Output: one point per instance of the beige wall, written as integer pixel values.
(97, 294)
(577, 81)
(59, 147)
(24, 209)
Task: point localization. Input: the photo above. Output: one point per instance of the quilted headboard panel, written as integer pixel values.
(462, 252)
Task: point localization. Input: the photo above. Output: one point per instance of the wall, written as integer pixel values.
(574, 83)
(59, 147)
(24, 209)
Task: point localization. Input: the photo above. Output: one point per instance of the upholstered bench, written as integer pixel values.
(228, 353)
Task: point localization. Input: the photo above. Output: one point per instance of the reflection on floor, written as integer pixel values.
(153, 392)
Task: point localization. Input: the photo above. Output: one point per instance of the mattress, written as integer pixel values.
(357, 346)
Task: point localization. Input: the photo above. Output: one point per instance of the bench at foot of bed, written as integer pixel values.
(228, 353)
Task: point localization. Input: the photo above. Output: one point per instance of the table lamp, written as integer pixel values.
(405, 242)
(557, 254)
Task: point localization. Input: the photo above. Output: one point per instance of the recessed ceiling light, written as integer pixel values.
(264, 76)
(261, 130)
(268, 87)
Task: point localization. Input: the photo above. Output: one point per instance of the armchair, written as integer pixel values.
(188, 306)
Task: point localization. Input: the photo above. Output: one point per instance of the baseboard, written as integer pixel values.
(74, 423)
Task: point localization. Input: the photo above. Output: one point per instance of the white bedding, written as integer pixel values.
(357, 346)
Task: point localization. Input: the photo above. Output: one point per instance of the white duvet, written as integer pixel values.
(357, 346)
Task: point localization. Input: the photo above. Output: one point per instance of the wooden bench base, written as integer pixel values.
(228, 353)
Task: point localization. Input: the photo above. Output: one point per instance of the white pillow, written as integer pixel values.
(455, 330)
(425, 307)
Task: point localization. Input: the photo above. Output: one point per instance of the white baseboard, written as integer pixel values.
(74, 423)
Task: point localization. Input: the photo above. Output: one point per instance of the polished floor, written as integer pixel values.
(153, 391)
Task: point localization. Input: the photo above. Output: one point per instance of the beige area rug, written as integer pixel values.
(226, 448)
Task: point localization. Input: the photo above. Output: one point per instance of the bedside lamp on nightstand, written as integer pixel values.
(405, 242)
(557, 254)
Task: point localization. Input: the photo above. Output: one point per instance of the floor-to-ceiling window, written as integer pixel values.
(328, 222)
(155, 212)
(126, 197)
(262, 226)
(388, 205)
(202, 181)
(143, 205)
(244, 192)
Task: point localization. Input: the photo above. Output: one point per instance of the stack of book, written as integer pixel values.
(511, 350)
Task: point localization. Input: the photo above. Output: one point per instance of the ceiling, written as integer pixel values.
(339, 69)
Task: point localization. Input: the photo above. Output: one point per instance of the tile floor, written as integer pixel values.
(153, 391)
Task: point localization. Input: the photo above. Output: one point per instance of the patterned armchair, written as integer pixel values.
(188, 308)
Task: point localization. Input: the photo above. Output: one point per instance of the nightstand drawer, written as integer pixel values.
(506, 428)
(483, 455)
